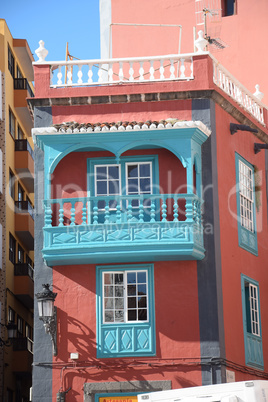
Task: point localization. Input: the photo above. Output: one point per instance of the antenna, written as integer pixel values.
(209, 10)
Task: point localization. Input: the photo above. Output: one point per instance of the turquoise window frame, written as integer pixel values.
(131, 338)
(246, 239)
(252, 343)
(123, 161)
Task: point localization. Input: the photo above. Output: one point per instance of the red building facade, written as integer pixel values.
(151, 227)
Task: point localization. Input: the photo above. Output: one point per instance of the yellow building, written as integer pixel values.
(16, 217)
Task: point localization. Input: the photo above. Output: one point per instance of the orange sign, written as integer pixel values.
(126, 398)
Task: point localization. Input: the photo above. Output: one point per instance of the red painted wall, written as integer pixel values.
(234, 259)
(177, 329)
(244, 34)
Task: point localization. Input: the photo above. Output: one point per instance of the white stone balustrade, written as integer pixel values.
(113, 71)
(223, 79)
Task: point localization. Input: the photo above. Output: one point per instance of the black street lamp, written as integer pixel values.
(48, 313)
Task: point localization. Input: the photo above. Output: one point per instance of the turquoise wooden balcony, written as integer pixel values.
(124, 228)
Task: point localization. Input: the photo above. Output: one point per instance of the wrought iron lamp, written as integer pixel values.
(48, 313)
(11, 334)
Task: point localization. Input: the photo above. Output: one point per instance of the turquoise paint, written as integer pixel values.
(179, 141)
(252, 343)
(125, 339)
(246, 238)
(125, 239)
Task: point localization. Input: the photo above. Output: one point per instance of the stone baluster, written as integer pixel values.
(175, 210)
(121, 73)
(141, 71)
(69, 75)
(80, 75)
(95, 214)
(84, 213)
(90, 74)
(152, 70)
(72, 213)
(129, 211)
(110, 72)
(172, 69)
(59, 76)
(131, 71)
(107, 212)
(48, 215)
(192, 68)
(61, 212)
(141, 212)
(189, 209)
(182, 69)
(100, 74)
(152, 213)
(164, 210)
(118, 212)
(162, 70)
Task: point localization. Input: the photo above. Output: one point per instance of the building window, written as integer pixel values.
(229, 7)
(133, 176)
(125, 311)
(252, 322)
(29, 261)
(12, 249)
(20, 254)
(11, 315)
(19, 73)
(11, 184)
(20, 326)
(12, 124)
(20, 193)
(247, 233)
(11, 62)
(28, 331)
(20, 133)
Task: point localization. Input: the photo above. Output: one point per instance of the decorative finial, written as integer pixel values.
(41, 52)
(258, 93)
(200, 43)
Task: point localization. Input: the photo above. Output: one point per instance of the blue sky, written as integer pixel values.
(55, 22)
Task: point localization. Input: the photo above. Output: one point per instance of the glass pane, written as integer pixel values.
(142, 314)
(131, 290)
(142, 277)
(142, 301)
(114, 187)
(119, 303)
(119, 291)
(145, 170)
(119, 316)
(108, 278)
(118, 279)
(113, 172)
(109, 316)
(133, 186)
(132, 171)
(101, 172)
(108, 302)
(131, 277)
(131, 302)
(108, 291)
(141, 289)
(101, 188)
(145, 185)
(132, 315)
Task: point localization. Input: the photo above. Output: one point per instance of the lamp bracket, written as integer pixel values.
(50, 324)
(235, 127)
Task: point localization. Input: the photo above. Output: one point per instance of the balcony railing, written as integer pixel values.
(24, 207)
(20, 344)
(22, 83)
(22, 269)
(149, 224)
(113, 71)
(229, 84)
(23, 145)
